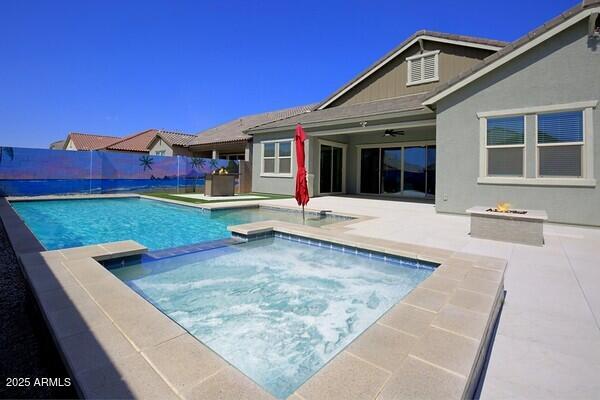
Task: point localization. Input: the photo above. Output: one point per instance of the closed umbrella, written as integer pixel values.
(301, 186)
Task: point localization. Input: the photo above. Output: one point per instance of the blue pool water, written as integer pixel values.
(277, 310)
(59, 224)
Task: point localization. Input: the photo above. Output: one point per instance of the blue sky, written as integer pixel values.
(117, 67)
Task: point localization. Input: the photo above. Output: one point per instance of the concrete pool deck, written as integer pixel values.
(116, 344)
(547, 345)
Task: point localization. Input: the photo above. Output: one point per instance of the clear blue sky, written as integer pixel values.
(117, 67)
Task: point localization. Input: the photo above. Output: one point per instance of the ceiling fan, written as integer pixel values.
(392, 133)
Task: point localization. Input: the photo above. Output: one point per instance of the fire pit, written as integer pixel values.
(508, 225)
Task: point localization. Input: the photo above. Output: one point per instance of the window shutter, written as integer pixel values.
(415, 70)
(429, 70)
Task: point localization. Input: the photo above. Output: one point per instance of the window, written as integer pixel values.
(423, 68)
(505, 146)
(560, 144)
(160, 152)
(277, 158)
(558, 152)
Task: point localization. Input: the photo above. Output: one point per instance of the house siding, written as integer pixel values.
(564, 69)
(161, 145)
(390, 80)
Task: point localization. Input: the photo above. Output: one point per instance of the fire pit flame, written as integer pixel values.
(504, 207)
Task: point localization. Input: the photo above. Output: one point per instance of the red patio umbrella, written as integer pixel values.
(301, 186)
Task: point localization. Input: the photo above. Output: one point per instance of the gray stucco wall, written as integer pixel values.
(563, 70)
(160, 145)
(277, 185)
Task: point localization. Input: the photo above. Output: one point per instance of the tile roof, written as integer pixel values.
(137, 142)
(397, 104)
(234, 130)
(88, 141)
(386, 57)
(174, 138)
(513, 46)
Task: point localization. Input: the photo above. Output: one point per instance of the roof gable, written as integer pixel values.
(515, 49)
(466, 41)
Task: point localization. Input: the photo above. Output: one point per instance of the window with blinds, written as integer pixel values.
(560, 144)
(505, 146)
(423, 68)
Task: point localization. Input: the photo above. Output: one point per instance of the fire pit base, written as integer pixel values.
(523, 227)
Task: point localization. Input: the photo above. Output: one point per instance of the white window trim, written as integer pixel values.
(420, 57)
(276, 159)
(587, 168)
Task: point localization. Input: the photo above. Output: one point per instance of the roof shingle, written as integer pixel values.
(397, 104)
(234, 131)
(513, 46)
(137, 142)
(89, 141)
(174, 138)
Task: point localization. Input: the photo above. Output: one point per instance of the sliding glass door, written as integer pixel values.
(407, 171)
(331, 169)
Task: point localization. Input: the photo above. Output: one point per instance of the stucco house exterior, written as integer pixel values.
(459, 120)
(166, 143)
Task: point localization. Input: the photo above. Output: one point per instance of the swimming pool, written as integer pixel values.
(276, 309)
(60, 224)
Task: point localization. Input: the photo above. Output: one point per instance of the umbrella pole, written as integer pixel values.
(303, 220)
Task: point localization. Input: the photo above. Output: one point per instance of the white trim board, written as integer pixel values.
(376, 67)
(511, 55)
(539, 109)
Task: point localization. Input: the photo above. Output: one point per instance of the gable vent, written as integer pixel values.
(423, 68)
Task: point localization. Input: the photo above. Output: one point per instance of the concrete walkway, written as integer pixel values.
(548, 340)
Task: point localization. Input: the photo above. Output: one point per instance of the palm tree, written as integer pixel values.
(9, 151)
(146, 162)
(213, 164)
(198, 163)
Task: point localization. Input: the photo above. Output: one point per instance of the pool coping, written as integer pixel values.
(430, 344)
(231, 205)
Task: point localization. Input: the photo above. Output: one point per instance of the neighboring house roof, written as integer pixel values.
(234, 131)
(137, 142)
(409, 103)
(173, 138)
(88, 141)
(514, 49)
(59, 144)
(462, 40)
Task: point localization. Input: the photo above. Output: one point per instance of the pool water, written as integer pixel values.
(276, 309)
(59, 224)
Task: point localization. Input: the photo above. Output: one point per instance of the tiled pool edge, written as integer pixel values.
(430, 332)
(438, 335)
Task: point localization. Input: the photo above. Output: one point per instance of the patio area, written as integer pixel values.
(548, 339)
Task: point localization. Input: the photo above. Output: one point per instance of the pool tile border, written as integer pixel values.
(450, 317)
(124, 340)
